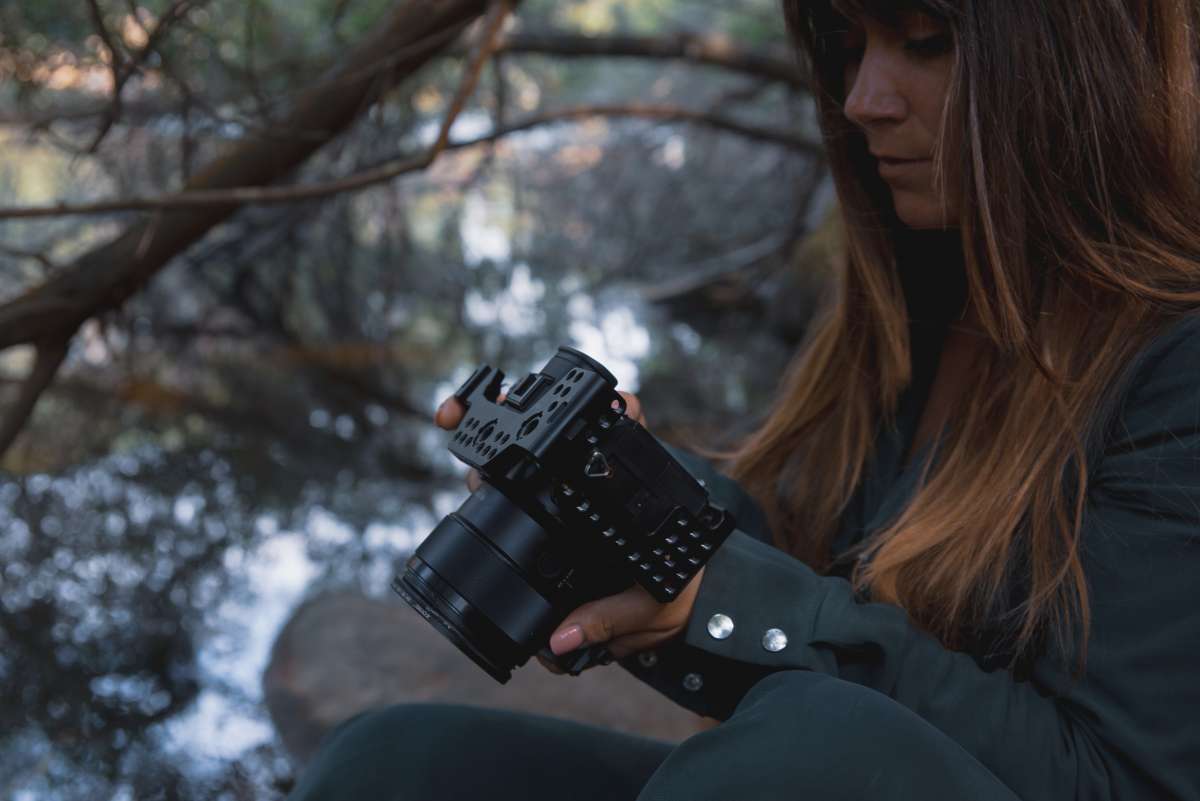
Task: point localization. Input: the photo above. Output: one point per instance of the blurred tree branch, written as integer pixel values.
(717, 51)
(393, 168)
(31, 254)
(124, 68)
(103, 278)
(50, 355)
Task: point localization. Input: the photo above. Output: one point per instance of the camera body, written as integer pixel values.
(577, 502)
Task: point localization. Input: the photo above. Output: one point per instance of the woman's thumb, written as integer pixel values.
(567, 638)
(588, 626)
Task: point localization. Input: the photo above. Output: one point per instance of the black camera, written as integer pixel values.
(578, 502)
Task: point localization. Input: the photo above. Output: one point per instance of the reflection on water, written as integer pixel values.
(140, 596)
(140, 593)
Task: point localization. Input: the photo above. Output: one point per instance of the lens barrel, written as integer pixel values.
(476, 588)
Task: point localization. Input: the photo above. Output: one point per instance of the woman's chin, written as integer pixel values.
(917, 212)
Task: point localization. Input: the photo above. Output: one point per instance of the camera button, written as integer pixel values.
(647, 659)
(693, 682)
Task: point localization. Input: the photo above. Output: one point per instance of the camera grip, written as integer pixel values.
(575, 662)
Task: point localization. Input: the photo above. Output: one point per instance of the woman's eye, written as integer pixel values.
(852, 48)
(936, 45)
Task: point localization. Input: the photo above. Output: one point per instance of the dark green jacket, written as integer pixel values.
(1130, 729)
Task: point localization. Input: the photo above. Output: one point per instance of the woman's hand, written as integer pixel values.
(627, 622)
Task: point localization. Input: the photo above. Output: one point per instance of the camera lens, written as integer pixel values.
(469, 579)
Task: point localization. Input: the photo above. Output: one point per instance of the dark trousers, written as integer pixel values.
(795, 735)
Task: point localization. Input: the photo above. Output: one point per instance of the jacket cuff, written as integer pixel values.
(701, 682)
(760, 606)
(739, 631)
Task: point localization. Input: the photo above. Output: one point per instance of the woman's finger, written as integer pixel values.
(601, 620)
(621, 647)
(633, 407)
(450, 413)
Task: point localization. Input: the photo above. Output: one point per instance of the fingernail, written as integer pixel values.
(441, 408)
(566, 640)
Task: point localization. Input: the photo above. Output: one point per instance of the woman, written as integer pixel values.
(982, 471)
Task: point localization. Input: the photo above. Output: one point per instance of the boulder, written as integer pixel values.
(341, 653)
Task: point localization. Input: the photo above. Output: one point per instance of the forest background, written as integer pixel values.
(246, 246)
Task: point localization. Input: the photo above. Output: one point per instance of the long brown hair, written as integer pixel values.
(1078, 123)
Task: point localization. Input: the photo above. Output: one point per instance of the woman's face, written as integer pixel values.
(896, 84)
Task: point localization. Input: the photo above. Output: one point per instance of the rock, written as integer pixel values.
(341, 653)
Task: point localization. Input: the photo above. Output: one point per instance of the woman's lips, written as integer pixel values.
(898, 168)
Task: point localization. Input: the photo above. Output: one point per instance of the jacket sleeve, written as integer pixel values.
(1129, 728)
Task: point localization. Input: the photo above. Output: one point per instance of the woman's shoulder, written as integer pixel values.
(1177, 344)
(1154, 423)
(1167, 367)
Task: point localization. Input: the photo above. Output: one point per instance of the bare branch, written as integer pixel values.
(717, 51)
(49, 356)
(122, 73)
(665, 114)
(31, 255)
(706, 272)
(116, 58)
(470, 78)
(397, 167)
(108, 274)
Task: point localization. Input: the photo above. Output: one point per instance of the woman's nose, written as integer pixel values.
(873, 95)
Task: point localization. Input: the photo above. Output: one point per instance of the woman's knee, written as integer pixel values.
(448, 752)
(830, 717)
(833, 739)
(806, 698)
(415, 726)
(376, 753)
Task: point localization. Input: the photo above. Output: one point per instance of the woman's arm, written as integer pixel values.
(1129, 729)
